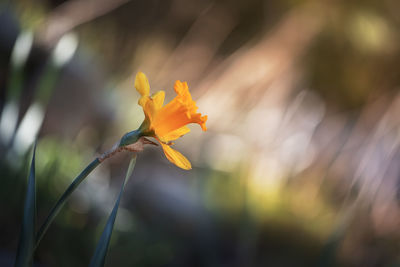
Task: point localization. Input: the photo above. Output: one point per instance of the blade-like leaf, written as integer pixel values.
(60, 203)
(99, 256)
(26, 244)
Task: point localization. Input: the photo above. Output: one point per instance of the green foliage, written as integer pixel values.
(99, 256)
(26, 244)
(60, 203)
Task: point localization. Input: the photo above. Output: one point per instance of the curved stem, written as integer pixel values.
(127, 142)
(57, 207)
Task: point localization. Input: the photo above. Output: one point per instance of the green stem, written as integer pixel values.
(131, 137)
(57, 207)
(127, 139)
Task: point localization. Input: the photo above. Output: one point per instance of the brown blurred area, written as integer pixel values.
(299, 166)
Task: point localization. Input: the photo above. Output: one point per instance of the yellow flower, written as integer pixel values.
(168, 123)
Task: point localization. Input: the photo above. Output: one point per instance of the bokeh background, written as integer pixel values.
(300, 163)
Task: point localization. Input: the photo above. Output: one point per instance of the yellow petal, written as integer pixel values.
(143, 101)
(158, 99)
(176, 157)
(175, 134)
(142, 84)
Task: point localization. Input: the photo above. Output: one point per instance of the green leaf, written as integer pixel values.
(60, 203)
(99, 256)
(26, 244)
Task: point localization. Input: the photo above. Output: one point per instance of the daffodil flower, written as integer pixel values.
(165, 123)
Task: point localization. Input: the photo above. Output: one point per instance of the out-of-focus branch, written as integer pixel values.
(272, 59)
(199, 45)
(71, 14)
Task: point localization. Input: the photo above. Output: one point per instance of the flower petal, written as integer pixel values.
(142, 84)
(175, 134)
(158, 99)
(176, 157)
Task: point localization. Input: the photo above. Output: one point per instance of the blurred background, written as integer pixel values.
(300, 163)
